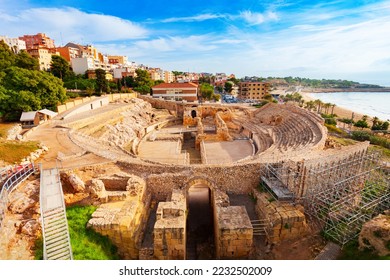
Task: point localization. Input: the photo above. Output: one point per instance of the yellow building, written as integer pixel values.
(43, 55)
(253, 90)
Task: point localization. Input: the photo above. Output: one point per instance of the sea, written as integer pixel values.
(374, 104)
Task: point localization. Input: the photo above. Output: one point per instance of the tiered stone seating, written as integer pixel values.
(293, 129)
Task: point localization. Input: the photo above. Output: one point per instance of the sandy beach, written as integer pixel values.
(339, 111)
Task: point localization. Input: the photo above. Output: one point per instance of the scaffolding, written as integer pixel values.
(340, 195)
(280, 179)
(343, 207)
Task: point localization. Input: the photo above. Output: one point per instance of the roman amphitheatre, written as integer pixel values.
(174, 180)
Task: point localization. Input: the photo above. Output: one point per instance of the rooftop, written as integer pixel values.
(175, 85)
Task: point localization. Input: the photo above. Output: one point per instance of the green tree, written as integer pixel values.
(319, 103)
(7, 57)
(229, 87)
(310, 105)
(26, 90)
(143, 82)
(144, 89)
(26, 61)
(234, 80)
(157, 82)
(362, 123)
(101, 82)
(60, 67)
(206, 91)
(129, 82)
(219, 89)
(143, 78)
(333, 106)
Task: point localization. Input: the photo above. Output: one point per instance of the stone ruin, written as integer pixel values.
(286, 135)
(233, 231)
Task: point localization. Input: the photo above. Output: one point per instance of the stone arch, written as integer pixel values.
(200, 229)
(193, 114)
(199, 180)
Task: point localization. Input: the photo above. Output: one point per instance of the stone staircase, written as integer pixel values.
(56, 240)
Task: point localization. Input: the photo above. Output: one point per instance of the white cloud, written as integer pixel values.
(201, 17)
(253, 18)
(70, 23)
(177, 44)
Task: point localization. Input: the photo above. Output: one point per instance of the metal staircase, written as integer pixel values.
(56, 240)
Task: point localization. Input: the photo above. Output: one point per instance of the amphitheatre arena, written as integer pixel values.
(207, 181)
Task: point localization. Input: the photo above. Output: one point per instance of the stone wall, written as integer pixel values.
(233, 231)
(161, 180)
(124, 222)
(283, 221)
(175, 108)
(111, 97)
(170, 228)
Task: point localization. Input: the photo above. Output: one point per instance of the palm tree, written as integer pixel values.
(310, 105)
(333, 105)
(327, 106)
(375, 121)
(319, 104)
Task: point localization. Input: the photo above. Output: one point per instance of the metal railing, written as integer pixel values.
(21, 173)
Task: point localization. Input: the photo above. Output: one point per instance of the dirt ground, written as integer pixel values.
(60, 146)
(15, 242)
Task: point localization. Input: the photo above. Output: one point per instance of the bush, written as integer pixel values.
(361, 135)
(335, 129)
(375, 140)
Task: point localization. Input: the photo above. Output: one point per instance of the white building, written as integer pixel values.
(121, 72)
(15, 44)
(82, 64)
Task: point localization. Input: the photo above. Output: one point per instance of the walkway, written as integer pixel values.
(56, 240)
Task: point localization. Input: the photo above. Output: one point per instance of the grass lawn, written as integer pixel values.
(12, 151)
(86, 243)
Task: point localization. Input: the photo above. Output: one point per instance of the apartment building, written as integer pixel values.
(43, 55)
(38, 40)
(119, 73)
(253, 90)
(15, 44)
(69, 53)
(118, 59)
(176, 91)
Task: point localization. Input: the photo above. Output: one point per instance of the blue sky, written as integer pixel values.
(316, 39)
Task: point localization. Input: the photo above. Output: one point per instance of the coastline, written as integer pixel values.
(323, 90)
(341, 112)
